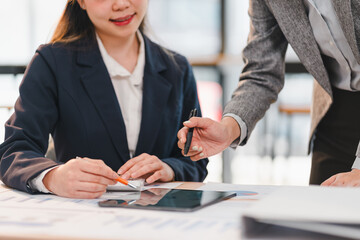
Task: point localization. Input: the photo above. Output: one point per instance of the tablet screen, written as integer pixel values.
(170, 199)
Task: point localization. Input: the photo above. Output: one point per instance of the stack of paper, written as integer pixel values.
(329, 211)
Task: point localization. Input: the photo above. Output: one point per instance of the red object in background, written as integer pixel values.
(210, 97)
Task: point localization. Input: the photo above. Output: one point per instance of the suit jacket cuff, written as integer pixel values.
(37, 182)
(243, 130)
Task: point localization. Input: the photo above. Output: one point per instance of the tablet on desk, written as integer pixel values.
(170, 200)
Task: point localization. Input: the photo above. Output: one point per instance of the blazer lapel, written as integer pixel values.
(97, 83)
(156, 91)
(293, 21)
(344, 13)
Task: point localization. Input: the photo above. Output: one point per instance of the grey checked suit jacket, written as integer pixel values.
(274, 25)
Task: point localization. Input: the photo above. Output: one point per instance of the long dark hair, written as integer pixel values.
(75, 24)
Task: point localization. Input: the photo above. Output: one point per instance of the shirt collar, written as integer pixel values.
(116, 70)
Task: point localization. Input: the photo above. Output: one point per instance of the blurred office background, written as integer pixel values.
(211, 34)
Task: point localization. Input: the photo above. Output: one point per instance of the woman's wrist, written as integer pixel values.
(48, 179)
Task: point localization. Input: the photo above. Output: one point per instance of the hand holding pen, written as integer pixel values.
(119, 179)
(209, 137)
(80, 178)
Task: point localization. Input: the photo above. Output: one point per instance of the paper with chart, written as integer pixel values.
(50, 215)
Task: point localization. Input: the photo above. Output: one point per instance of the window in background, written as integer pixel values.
(25, 24)
(237, 26)
(15, 31)
(237, 29)
(190, 27)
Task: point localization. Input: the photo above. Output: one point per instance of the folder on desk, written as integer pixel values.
(305, 213)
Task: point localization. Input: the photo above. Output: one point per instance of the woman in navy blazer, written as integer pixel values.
(67, 92)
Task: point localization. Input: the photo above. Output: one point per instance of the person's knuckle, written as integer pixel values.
(98, 168)
(100, 162)
(93, 187)
(158, 165)
(97, 178)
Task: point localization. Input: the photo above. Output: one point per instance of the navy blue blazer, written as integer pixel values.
(67, 92)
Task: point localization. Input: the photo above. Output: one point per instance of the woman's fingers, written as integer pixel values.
(151, 166)
(97, 167)
(198, 156)
(145, 169)
(182, 137)
(93, 178)
(156, 176)
(139, 163)
(194, 150)
(130, 163)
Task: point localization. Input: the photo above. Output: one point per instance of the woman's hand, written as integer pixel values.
(147, 166)
(80, 178)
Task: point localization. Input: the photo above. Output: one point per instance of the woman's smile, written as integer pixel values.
(123, 20)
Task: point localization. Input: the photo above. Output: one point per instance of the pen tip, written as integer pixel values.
(131, 185)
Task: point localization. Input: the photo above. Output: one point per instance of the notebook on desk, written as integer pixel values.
(327, 212)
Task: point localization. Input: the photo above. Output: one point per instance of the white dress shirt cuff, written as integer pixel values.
(243, 130)
(37, 183)
(356, 163)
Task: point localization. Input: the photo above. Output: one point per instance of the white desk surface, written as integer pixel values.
(44, 216)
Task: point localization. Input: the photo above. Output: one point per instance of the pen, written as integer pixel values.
(125, 182)
(119, 179)
(189, 135)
